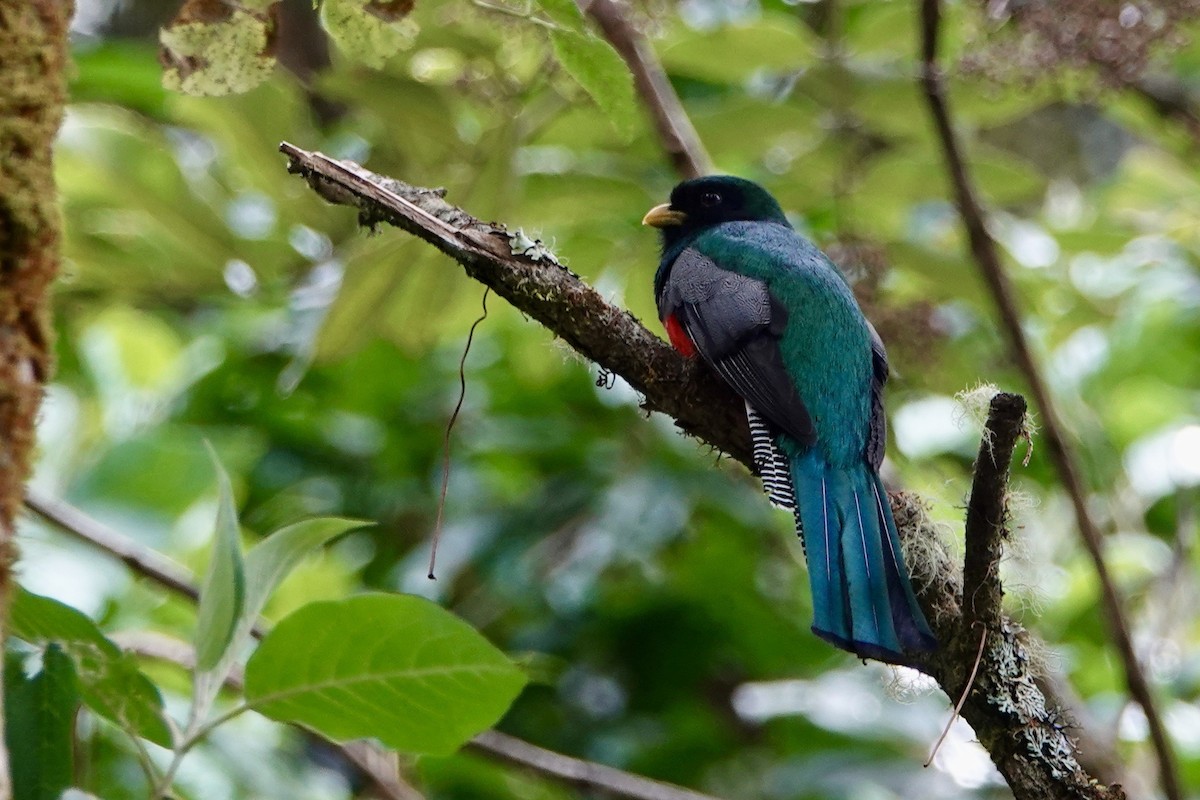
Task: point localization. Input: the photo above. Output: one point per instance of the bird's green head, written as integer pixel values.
(703, 202)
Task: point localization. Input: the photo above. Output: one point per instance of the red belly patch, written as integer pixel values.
(678, 336)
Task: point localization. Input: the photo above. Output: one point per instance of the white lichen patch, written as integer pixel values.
(533, 249)
(1011, 689)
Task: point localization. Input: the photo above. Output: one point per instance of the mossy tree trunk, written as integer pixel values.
(33, 61)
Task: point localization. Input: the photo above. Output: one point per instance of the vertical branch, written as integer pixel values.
(987, 513)
(33, 40)
(679, 138)
(986, 256)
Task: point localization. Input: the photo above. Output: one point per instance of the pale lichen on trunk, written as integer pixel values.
(33, 44)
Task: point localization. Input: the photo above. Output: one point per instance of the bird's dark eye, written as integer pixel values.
(710, 199)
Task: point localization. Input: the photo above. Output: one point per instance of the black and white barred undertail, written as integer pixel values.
(771, 462)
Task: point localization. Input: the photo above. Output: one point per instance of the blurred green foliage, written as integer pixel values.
(208, 295)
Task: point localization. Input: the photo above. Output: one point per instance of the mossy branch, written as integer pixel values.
(1024, 731)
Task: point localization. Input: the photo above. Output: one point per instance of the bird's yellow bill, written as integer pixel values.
(664, 217)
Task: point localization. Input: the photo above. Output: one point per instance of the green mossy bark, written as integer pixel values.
(33, 40)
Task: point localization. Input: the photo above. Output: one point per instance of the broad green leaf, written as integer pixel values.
(39, 718)
(595, 66)
(110, 681)
(223, 594)
(394, 667)
(269, 561)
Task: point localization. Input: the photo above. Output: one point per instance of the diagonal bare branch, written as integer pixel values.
(159, 568)
(987, 257)
(585, 774)
(677, 135)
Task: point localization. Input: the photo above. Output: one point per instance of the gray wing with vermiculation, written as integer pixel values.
(735, 324)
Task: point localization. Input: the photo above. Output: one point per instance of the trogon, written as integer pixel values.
(773, 317)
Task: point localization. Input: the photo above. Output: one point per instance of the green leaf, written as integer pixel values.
(223, 594)
(596, 67)
(110, 682)
(41, 620)
(565, 13)
(730, 54)
(394, 667)
(39, 718)
(124, 72)
(269, 561)
(371, 31)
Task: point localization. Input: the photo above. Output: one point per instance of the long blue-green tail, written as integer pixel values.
(862, 598)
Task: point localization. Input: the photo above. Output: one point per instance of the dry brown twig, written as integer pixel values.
(987, 512)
